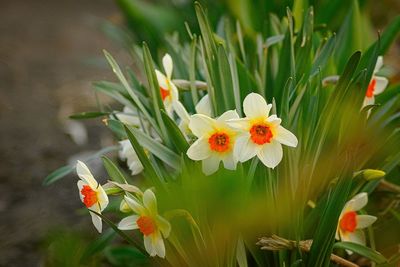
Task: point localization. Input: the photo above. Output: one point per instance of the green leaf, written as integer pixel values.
(99, 244)
(364, 251)
(125, 256)
(156, 148)
(178, 139)
(113, 171)
(88, 115)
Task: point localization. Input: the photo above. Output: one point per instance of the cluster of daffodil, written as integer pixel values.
(227, 138)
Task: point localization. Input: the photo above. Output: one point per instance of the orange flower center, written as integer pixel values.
(89, 196)
(348, 222)
(371, 88)
(146, 225)
(219, 142)
(260, 134)
(164, 93)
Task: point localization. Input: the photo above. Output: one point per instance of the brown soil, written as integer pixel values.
(50, 51)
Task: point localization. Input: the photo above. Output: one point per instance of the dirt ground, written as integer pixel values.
(50, 51)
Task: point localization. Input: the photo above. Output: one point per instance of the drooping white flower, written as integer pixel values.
(91, 193)
(202, 107)
(377, 84)
(129, 117)
(128, 152)
(168, 90)
(215, 143)
(350, 223)
(262, 134)
(153, 227)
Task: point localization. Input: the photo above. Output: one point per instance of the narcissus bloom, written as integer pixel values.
(168, 90)
(202, 107)
(377, 84)
(91, 193)
(153, 227)
(128, 152)
(350, 223)
(262, 134)
(215, 143)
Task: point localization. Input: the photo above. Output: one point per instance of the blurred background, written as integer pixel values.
(50, 52)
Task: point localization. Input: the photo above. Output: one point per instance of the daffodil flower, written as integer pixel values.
(350, 223)
(377, 84)
(168, 90)
(128, 152)
(153, 227)
(91, 194)
(215, 143)
(262, 134)
(202, 107)
(129, 117)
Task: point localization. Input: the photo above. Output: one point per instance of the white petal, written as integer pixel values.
(102, 198)
(128, 223)
(162, 80)
(364, 221)
(379, 64)
(168, 107)
(85, 174)
(168, 65)
(355, 237)
(135, 205)
(274, 120)
(174, 92)
(285, 137)
(158, 244)
(204, 106)
(181, 111)
(148, 245)
(199, 150)
(150, 201)
(124, 207)
(357, 202)
(229, 162)
(164, 226)
(80, 186)
(271, 154)
(381, 84)
(245, 149)
(201, 124)
(210, 165)
(228, 115)
(240, 124)
(96, 221)
(254, 105)
(368, 101)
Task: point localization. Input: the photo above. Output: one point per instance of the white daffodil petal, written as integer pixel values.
(285, 137)
(229, 162)
(356, 237)
(169, 109)
(150, 201)
(96, 219)
(102, 198)
(174, 92)
(129, 223)
(368, 101)
(364, 221)
(245, 149)
(210, 165)
(135, 205)
(274, 120)
(240, 124)
(357, 202)
(204, 106)
(254, 105)
(271, 154)
(381, 84)
(379, 64)
(148, 245)
(199, 150)
(162, 80)
(228, 115)
(168, 65)
(158, 244)
(164, 226)
(85, 174)
(80, 184)
(181, 111)
(201, 124)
